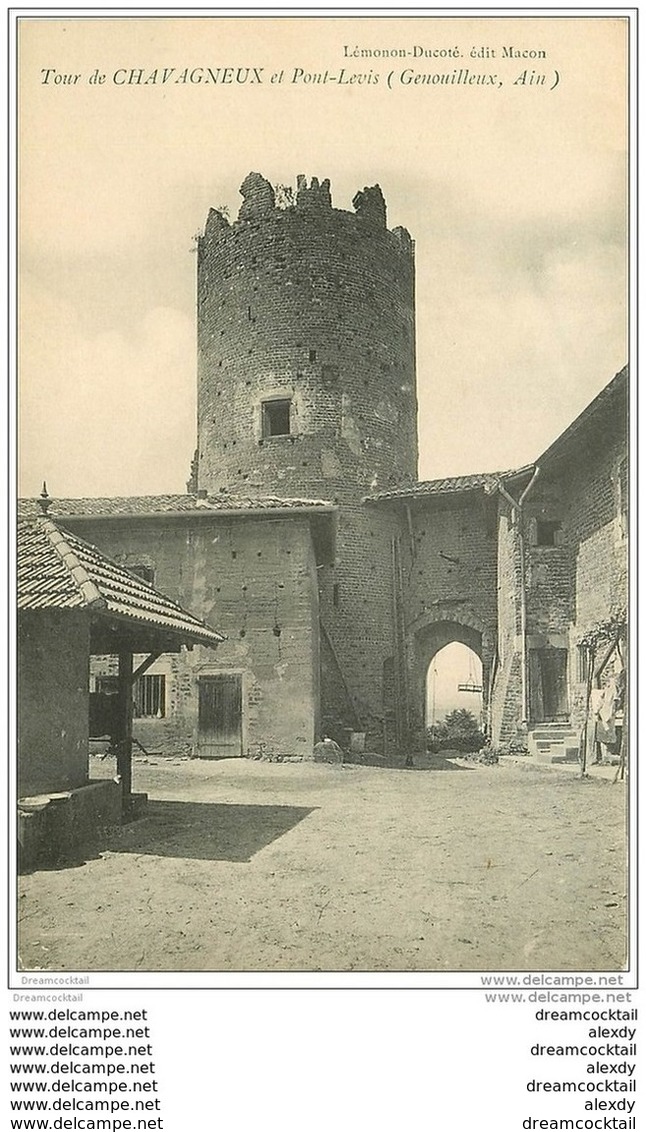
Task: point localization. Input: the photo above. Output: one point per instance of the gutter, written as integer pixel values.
(517, 516)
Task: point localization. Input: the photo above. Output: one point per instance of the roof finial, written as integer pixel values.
(44, 499)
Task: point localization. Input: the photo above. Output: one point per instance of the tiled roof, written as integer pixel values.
(165, 505)
(57, 570)
(450, 485)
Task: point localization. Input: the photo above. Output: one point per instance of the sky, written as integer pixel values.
(453, 665)
(514, 193)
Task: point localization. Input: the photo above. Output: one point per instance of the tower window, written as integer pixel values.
(276, 418)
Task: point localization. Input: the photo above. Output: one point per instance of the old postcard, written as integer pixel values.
(323, 530)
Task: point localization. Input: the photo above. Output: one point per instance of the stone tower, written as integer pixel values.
(307, 389)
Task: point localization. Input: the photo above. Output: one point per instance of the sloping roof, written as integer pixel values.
(611, 399)
(145, 505)
(450, 485)
(57, 570)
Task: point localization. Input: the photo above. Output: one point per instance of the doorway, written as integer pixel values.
(454, 682)
(548, 695)
(219, 730)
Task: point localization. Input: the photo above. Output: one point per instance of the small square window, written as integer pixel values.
(276, 418)
(149, 697)
(548, 533)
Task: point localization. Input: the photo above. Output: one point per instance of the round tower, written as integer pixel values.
(306, 347)
(307, 389)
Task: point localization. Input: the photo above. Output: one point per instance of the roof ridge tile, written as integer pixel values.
(89, 591)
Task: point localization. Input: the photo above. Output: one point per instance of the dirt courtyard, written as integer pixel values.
(250, 866)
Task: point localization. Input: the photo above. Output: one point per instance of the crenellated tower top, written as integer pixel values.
(261, 201)
(306, 345)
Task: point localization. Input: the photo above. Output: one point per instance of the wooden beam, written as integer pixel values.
(606, 657)
(124, 744)
(348, 693)
(145, 665)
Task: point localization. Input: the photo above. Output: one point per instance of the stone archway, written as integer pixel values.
(453, 683)
(426, 639)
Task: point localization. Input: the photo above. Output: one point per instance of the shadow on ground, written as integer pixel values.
(206, 831)
(439, 762)
(420, 762)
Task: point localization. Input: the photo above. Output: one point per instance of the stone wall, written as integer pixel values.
(315, 305)
(506, 706)
(549, 569)
(576, 576)
(254, 579)
(592, 479)
(53, 677)
(450, 569)
(356, 604)
(447, 588)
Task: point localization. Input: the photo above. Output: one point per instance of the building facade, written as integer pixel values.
(305, 534)
(252, 570)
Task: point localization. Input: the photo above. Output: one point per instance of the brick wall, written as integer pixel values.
(507, 695)
(316, 305)
(549, 570)
(581, 579)
(254, 579)
(449, 569)
(596, 535)
(356, 604)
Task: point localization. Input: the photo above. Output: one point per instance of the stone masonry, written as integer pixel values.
(314, 307)
(307, 392)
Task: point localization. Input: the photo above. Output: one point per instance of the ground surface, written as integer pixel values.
(251, 866)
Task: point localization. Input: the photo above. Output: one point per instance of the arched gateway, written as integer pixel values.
(426, 639)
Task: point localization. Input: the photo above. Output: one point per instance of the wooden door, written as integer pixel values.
(548, 685)
(219, 732)
(555, 697)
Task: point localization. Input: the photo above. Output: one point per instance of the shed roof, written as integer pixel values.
(58, 570)
(449, 485)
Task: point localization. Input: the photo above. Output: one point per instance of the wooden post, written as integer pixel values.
(124, 747)
(588, 697)
(620, 773)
